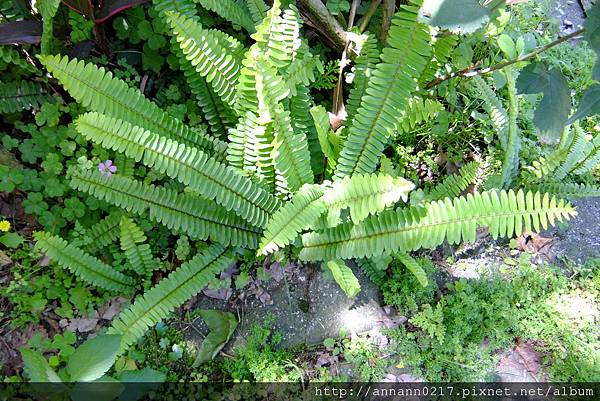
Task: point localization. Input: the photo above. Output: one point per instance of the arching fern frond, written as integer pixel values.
(48, 9)
(418, 111)
(568, 190)
(258, 10)
(493, 106)
(200, 218)
(592, 157)
(137, 251)
(442, 49)
(231, 11)
(215, 63)
(302, 122)
(366, 194)
(454, 185)
(223, 184)
(388, 90)
(374, 268)
(364, 65)
(97, 89)
(414, 267)
(510, 164)
(104, 233)
(20, 96)
(455, 220)
(158, 302)
(84, 266)
(294, 216)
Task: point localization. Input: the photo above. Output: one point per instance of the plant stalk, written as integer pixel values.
(325, 23)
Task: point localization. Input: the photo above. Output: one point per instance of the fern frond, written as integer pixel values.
(183, 7)
(510, 164)
(366, 194)
(48, 9)
(374, 268)
(414, 267)
(215, 63)
(84, 266)
(258, 10)
(302, 122)
(344, 276)
(231, 11)
(301, 71)
(201, 219)
(137, 251)
(294, 216)
(104, 233)
(568, 190)
(418, 111)
(591, 159)
(364, 65)
(455, 220)
(158, 302)
(388, 90)
(442, 49)
(251, 149)
(190, 166)
(16, 97)
(493, 106)
(454, 185)
(97, 89)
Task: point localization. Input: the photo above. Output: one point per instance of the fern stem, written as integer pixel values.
(474, 71)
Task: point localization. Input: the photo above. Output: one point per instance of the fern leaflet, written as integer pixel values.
(137, 251)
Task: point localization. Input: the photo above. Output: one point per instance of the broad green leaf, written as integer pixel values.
(589, 104)
(458, 16)
(592, 35)
(221, 325)
(344, 276)
(93, 358)
(11, 240)
(36, 367)
(553, 111)
(507, 45)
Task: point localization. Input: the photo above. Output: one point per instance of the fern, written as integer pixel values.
(215, 63)
(344, 276)
(305, 207)
(364, 65)
(568, 190)
(133, 243)
(388, 90)
(258, 10)
(230, 10)
(48, 9)
(190, 166)
(414, 267)
(199, 218)
(510, 164)
(156, 303)
(374, 268)
(418, 111)
(85, 266)
(493, 106)
(16, 97)
(104, 232)
(302, 122)
(591, 159)
(98, 90)
(442, 50)
(454, 184)
(504, 213)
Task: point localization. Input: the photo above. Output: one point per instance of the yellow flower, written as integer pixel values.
(4, 225)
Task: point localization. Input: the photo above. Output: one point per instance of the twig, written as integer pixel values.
(474, 71)
(364, 24)
(324, 22)
(389, 6)
(352, 15)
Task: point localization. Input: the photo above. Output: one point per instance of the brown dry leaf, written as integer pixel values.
(4, 260)
(534, 243)
(83, 325)
(522, 363)
(112, 308)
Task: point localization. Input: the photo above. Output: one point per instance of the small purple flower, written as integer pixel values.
(107, 168)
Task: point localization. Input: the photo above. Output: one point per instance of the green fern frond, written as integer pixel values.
(455, 220)
(137, 251)
(442, 50)
(231, 11)
(493, 106)
(183, 7)
(364, 65)
(251, 149)
(510, 164)
(418, 111)
(8, 55)
(215, 63)
(84, 266)
(20, 96)
(344, 276)
(158, 302)
(374, 268)
(97, 89)
(300, 74)
(454, 184)
(190, 166)
(569, 190)
(302, 122)
(258, 10)
(200, 218)
(414, 267)
(592, 157)
(388, 90)
(48, 9)
(104, 233)
(366, 194)
(294, 216)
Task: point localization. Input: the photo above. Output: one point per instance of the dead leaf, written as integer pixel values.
(4, 260)
(112, 308)
(222, 293)
(83, 325)
(276, 271)
(534, 243)
(522, 363)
